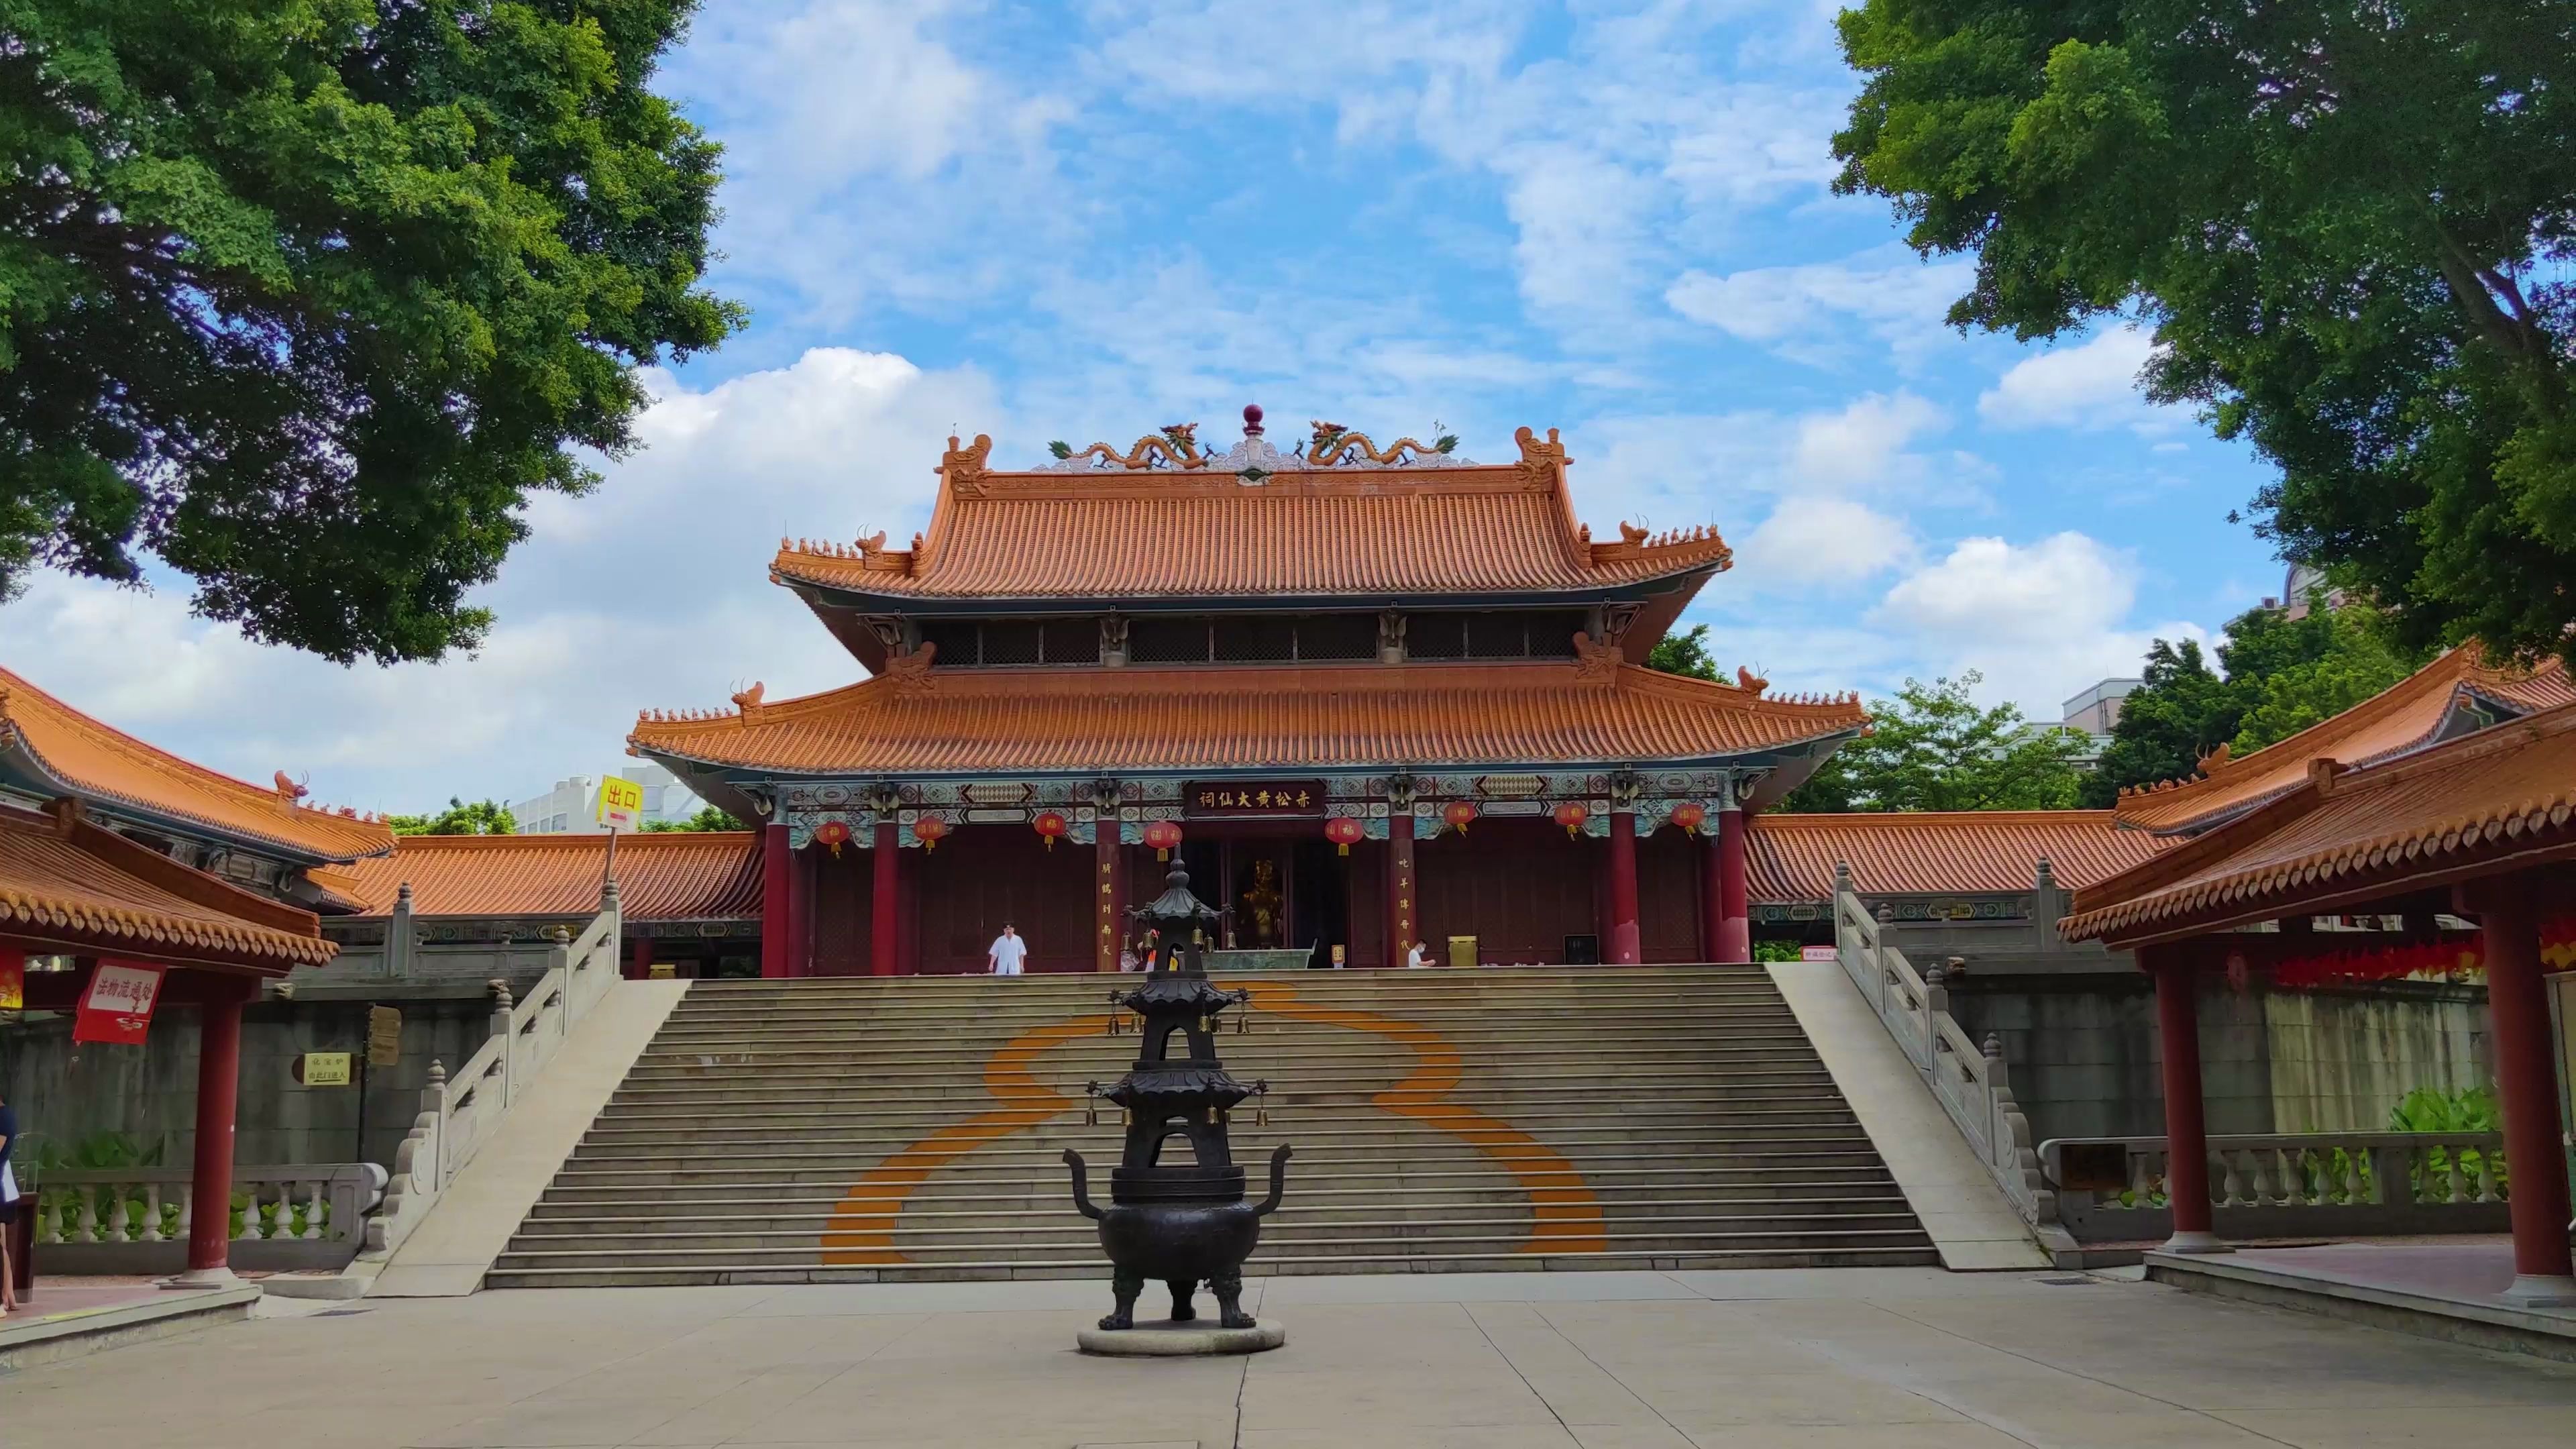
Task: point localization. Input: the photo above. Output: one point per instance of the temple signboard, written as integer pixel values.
(1263, 799)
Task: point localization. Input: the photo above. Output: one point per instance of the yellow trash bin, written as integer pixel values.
(1462, 950)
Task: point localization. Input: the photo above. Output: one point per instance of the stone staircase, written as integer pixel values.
(858, 1130)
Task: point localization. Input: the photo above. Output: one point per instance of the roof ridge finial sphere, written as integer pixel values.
(1252, 420)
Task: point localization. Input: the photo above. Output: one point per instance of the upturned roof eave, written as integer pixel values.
(823, 594)
(23, 768)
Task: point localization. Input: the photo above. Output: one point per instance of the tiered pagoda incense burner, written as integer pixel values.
(1184, 1225)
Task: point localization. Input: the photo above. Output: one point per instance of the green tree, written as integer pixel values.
(483, 817)
(2280, 675)
(2291, 674)
(307, 296)
(2348, 225)
(1684, 654)
(708, 818)
(1933, 748)
(2181, 711)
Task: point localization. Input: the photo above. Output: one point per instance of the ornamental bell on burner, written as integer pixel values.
(1182, 1224)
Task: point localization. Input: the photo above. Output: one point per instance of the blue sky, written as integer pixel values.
(1085, 221)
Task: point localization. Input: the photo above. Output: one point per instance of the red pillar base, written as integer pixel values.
(2508, 912)
(885, 905)
(210, 1186)
(2186, 1128)
(1622, 947)
(1734, 904)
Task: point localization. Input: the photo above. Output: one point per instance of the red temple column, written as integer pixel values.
(885, 905)
(639, 958)
(210, 1187)
(800, 912)
(775, 862)
(2508, 913)
(1107, 930)
(1621, 948)
(2186, 1132)
(1712, 893)
(1734, 903)
(1399, 885)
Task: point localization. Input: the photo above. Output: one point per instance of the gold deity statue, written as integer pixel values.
(1261, 904)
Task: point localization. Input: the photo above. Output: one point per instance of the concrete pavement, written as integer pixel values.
(1811, 1359)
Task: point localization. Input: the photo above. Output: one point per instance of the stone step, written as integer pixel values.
(806, 1203)
(1089, 1267)
(1066, 1231)
(576, 1184)
(1687, 1100)
(1659, 1239)
(1013, 1216)
(1285, 1117)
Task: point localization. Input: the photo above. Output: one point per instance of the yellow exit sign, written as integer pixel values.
(621, 803)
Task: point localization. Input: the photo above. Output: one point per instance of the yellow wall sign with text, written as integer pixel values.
(621, 803)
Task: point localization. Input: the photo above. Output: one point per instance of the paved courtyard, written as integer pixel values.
(1824, 1360)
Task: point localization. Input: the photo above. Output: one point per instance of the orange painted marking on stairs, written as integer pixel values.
(862, 1227)
(1568, 1215)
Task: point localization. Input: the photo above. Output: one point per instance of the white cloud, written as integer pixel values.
(1811, 312)
(649, 591)
(861, 147)
(2039, 620)
(2094, 385)
(1818, 542)
(1866, 444)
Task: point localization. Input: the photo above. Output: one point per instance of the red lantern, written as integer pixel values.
(1342, 830)
(1049, 825)
(1163, 835)
(929, 830)
(1458, 813)
(1571, 815)
(833, 833)
(1690, 816)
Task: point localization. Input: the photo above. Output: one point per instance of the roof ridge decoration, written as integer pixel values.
(1175, 449)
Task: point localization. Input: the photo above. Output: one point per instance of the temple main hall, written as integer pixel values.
(1371, 697)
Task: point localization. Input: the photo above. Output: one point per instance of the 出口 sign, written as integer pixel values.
(1220, 799)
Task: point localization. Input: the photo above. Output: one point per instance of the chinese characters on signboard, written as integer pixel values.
(117, 1008)
(1222, 798)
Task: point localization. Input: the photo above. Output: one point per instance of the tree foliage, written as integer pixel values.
(2275, 677)
(1685, 654)
(307, 296)
(482, 817)
(2349, 226)
(709, 817)
(1934, 748)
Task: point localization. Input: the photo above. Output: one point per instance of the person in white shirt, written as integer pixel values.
(1007, 954)
(1415, 959)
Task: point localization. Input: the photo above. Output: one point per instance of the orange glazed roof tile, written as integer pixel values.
(1433, 527)
(86, 888)
(2404, 717)
(79, 756)
(1158, 718)
(677, 875)
(2502, 798)
(1970, 852)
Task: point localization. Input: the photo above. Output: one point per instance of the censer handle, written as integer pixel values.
(1278, 1181)
(1082, 1183)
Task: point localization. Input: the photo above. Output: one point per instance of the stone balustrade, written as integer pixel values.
(460, 1111)
(1968, 1077)
(135, 1219)
(2272, 1185)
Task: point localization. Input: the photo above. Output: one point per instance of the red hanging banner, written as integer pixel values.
(117, 1007)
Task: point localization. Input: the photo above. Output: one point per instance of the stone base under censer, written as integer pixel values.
(1174, 1340)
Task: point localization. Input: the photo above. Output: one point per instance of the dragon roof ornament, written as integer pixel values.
(1331, 446)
